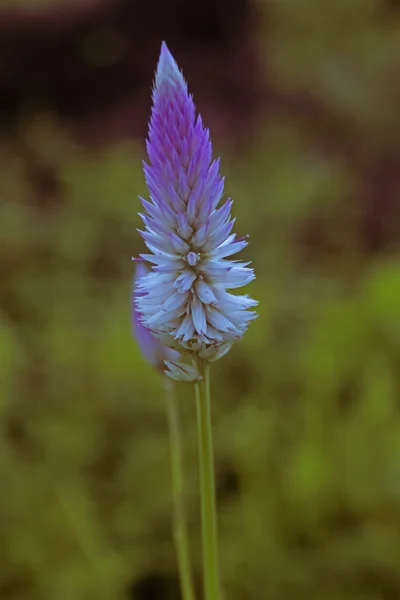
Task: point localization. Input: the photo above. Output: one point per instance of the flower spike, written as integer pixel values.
(184, 300)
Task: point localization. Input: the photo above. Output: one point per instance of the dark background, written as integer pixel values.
(302, 99)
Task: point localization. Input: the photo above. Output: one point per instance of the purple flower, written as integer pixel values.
(153, 350)
(184, 300)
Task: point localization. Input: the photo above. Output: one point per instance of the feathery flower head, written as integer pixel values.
(184, 300)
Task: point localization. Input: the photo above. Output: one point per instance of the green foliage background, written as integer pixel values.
(306, 407)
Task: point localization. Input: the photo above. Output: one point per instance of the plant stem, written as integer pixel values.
(207, 489)
(179, 524)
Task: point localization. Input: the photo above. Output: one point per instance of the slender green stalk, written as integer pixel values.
(179, 524)
(207, 489)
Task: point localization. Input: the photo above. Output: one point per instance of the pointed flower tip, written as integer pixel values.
(167, 69)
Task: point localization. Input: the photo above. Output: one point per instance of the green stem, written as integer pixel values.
(207, 489)
(179, 525)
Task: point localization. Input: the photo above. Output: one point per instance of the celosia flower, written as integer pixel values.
(184, 299)
(151, 347)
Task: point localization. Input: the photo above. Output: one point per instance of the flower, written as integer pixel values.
(184, 300)
(151, 347)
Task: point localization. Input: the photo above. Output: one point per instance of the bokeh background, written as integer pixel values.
(303, 100)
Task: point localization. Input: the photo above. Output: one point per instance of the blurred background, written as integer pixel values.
(302, 99)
